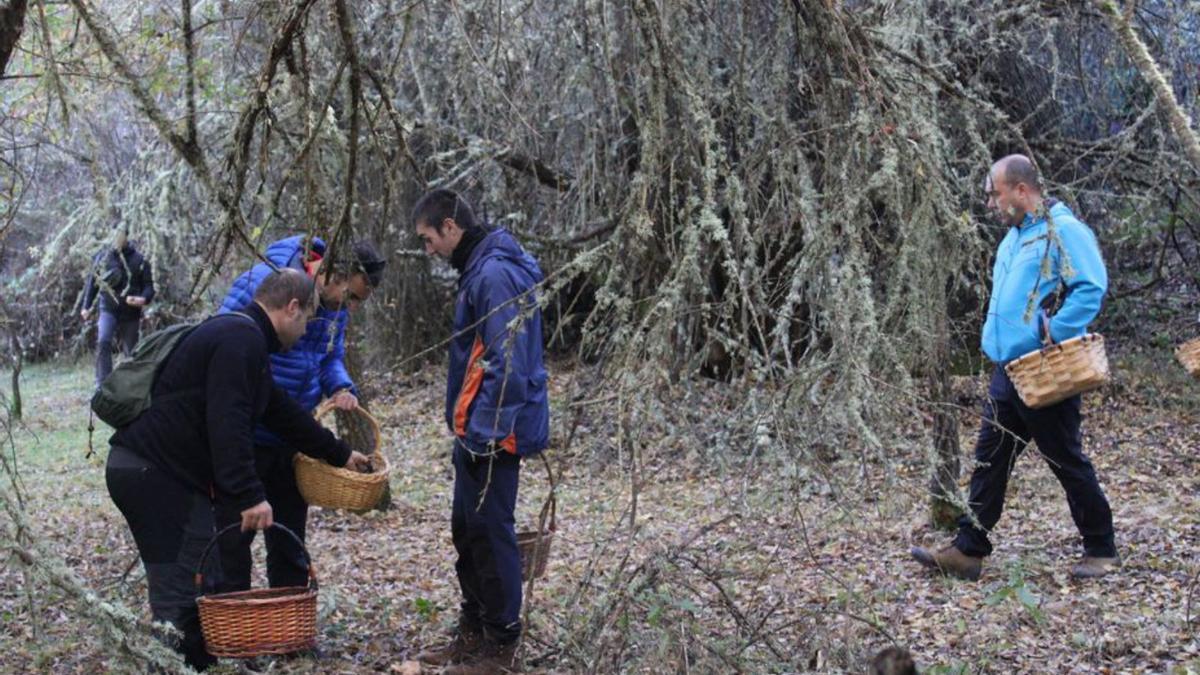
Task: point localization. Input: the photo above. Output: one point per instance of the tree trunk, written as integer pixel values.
(12, 20)
(943, 484)
(1136, 50)
(18, 358)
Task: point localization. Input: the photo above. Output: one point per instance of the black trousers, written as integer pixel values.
(483, 526)
(171, 524)
(285, 561)
(1007, 428)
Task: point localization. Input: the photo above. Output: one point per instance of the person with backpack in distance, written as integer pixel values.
(498, 412)
(121, 279)
(314, 368)
(191, 450)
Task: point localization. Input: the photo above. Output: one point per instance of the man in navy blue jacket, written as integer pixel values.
(498, 412)
(313, 369)
(121, 282)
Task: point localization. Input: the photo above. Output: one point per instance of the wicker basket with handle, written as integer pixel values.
(534, 545)
(334, 487)
(260, 621)
(1188, 354)
(1059, 371)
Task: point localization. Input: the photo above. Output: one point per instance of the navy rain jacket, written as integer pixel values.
(496, 390)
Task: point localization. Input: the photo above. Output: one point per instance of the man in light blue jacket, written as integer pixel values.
(1049, 276)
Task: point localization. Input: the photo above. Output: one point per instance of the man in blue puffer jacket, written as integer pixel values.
(313, 369)
(498, 412)
(1012, 329)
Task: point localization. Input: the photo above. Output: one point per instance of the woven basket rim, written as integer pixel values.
(1188, 345)
(259, 597)
(343, 473)
(1035, 356)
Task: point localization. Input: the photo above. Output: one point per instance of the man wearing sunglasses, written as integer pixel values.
(312, 370)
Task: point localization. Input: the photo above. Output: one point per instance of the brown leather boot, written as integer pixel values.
(1093, 568)
(950, 561)
(493, 659)
(465, 646)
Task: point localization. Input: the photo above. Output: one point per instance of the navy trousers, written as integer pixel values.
(1007, 428)
(483, 526)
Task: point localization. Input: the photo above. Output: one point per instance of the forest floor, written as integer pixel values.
(736, 563)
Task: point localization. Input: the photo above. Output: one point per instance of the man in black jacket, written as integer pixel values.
(193, 449)
(120, 276)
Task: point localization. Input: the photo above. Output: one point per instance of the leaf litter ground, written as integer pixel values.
(755, 565)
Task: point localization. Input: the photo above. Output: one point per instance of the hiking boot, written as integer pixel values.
(1092, 567)
(467, 642)
(493, 659)
(950, 561)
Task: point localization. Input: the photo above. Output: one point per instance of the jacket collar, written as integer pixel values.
(1032, 220)
(460, 257)
(255, 311)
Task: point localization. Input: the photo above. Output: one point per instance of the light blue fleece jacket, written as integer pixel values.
(1077, 264)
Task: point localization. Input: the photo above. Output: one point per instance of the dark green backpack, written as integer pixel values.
(125, 394)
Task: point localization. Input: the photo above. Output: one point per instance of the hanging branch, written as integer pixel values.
(545, 174)
(190, 152)
(52, 64)
(386, 97)
(347, 32)
(1136, 50)
(190, 54)
(234, 224)
(239, 156)
(301, 158)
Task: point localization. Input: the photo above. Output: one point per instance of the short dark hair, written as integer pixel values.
(368, 262)
(282, 286)
(435, 206)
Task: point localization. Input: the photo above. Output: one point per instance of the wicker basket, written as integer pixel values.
(262, 621)
(534, 545)
(1188, 354)
(333, 487)
(1060, 371)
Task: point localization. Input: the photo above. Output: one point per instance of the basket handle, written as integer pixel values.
(551, 503)
(312, 574)
(327, 407)
(1044, 319)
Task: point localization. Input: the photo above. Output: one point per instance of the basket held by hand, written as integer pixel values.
(335, 487)
(260, 621)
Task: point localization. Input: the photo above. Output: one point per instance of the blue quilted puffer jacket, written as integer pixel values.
(314, 368)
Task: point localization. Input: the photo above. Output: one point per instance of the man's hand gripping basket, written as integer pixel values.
(334, 487)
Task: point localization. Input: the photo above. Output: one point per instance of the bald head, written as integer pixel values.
(1013, 189)
(1017, 170)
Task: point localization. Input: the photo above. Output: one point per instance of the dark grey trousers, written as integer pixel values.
(110, 329)
(171, 525)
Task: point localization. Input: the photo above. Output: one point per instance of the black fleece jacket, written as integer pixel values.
(125, 272)
(212, 390)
